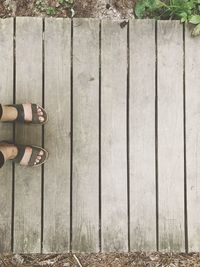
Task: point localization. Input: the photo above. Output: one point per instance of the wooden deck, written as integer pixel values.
(123, 136)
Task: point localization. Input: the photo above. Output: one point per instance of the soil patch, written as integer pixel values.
(138, 259)
(114, 9)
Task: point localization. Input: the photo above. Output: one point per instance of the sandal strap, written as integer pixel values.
(20, 112)
(35, 117)
(21, 151)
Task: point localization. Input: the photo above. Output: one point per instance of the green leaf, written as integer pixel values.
(190, 5)
(151, 3)
(195, 19)
(184, 17)
(51, 11)
(183, 20)
(196, 31)
(140, 9)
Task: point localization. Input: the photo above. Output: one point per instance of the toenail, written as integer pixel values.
(41, 118)
(39, 109)
(41, 153)
(37, 160)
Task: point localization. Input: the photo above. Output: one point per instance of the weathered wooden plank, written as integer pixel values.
(170, 136)
(114, 137)
(85, 135)
(192, 64)
(57, 135)
(142, 135)
(6, 96)
(28, 180)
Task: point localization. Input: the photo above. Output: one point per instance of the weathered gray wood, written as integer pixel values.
(28, 180)
(192, 64)
(142, 135)
(170, 136)
(114, 137)
(85, 210)
(6, 96)
(57, 135)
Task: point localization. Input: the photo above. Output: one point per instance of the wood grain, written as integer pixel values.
(6, 131)
(57, 135)
(142, 135)
(114, 137)
(27, 228)
(170, 136)
(192, 64)
(85, 209)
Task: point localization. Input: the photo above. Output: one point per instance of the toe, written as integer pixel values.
(41, 153)
(41, 119)
(40, 113)
(37, 161)
(39, 157)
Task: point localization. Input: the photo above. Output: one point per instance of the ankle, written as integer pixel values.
(12, 152)
(9, 151)
(8, 113)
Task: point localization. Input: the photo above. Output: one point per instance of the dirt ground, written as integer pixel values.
(115, 9)
(138, 259)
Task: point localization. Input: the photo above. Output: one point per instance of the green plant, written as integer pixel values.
(40, 5)
(43, 6)
(51, 11)
(66, 2)
(185, 10)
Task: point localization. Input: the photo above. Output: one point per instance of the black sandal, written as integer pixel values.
(36, 151)
(35, 117)
(2, 160)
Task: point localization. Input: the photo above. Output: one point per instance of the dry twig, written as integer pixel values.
(79, 264)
